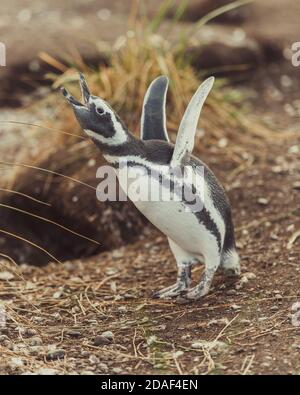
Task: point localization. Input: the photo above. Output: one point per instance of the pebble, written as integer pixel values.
(6, 276)
(101, 341)
(58, 293)
(36, 350)
(108, 334)
(27, 331)
(73, 333)
(3, 338)
(55, 354)
(236, 307)
(220, 321)
(128, 296)
(35, 341)
(93, 359)
(87, 373)
(15, 363)
(231, 292)
(218, 345)
(46, 372)
(263, 201)
(117, 370)
(245, 321)
(103, 367)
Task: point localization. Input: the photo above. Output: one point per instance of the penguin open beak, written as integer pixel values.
(84, 91)
(71, 99)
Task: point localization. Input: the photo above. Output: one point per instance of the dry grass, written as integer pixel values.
(138, 57)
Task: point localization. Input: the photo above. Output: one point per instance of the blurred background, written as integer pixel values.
(122, 47)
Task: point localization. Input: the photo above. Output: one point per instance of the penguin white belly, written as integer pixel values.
(170, 217)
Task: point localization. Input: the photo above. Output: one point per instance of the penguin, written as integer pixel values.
(202, 235)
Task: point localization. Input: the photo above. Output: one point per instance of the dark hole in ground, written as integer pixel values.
(112, 224)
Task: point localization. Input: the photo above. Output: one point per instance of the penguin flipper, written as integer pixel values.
(153, 120)
(187, 130)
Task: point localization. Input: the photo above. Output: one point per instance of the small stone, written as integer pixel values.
(117, 370)
(274, 308)
(3, 339)
(245, 321)
(277, 169)
(35, 341)
(36, 350)
(58, 293)
(108, 334)
(263, 201)
(6, 276)
(87, 373)
(236, 307)
(296, 185)
(296, 346)
(101, 341)
(15, 363)
(116, 254)
(278, 296)
(286, 81)
(73, 333)
(231, 292)
(29, 332)
(103, 367)
(93, 359)
(216, 344)
(46, 372)
(128, 296)
(55, 354)
(220, 321)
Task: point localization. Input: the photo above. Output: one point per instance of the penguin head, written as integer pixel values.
(96, 117)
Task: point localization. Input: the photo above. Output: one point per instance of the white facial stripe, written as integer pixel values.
(100, 103)
(120, 136)
(117, 139)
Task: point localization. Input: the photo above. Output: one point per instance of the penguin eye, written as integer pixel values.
(100, 111)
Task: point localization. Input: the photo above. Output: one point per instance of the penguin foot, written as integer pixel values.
(232, 272)
(196, 293)
(169, 292)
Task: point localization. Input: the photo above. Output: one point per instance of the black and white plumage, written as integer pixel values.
(153, 119)
(207, 234)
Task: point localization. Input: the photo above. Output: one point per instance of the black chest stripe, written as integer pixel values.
(203, 216)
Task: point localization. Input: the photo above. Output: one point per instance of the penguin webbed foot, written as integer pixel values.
(170, 292)
(203, 287)
(196, 293)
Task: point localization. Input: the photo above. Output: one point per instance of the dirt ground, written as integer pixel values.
(96, 315)
(241, 327)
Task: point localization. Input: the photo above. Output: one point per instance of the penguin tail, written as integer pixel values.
(230, 262)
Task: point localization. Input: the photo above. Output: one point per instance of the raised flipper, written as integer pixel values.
(153, 121)
(187, 130)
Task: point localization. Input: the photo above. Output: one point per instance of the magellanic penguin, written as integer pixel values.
(204, 235)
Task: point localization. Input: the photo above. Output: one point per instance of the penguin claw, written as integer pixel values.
(196, 293)
(169, 292)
